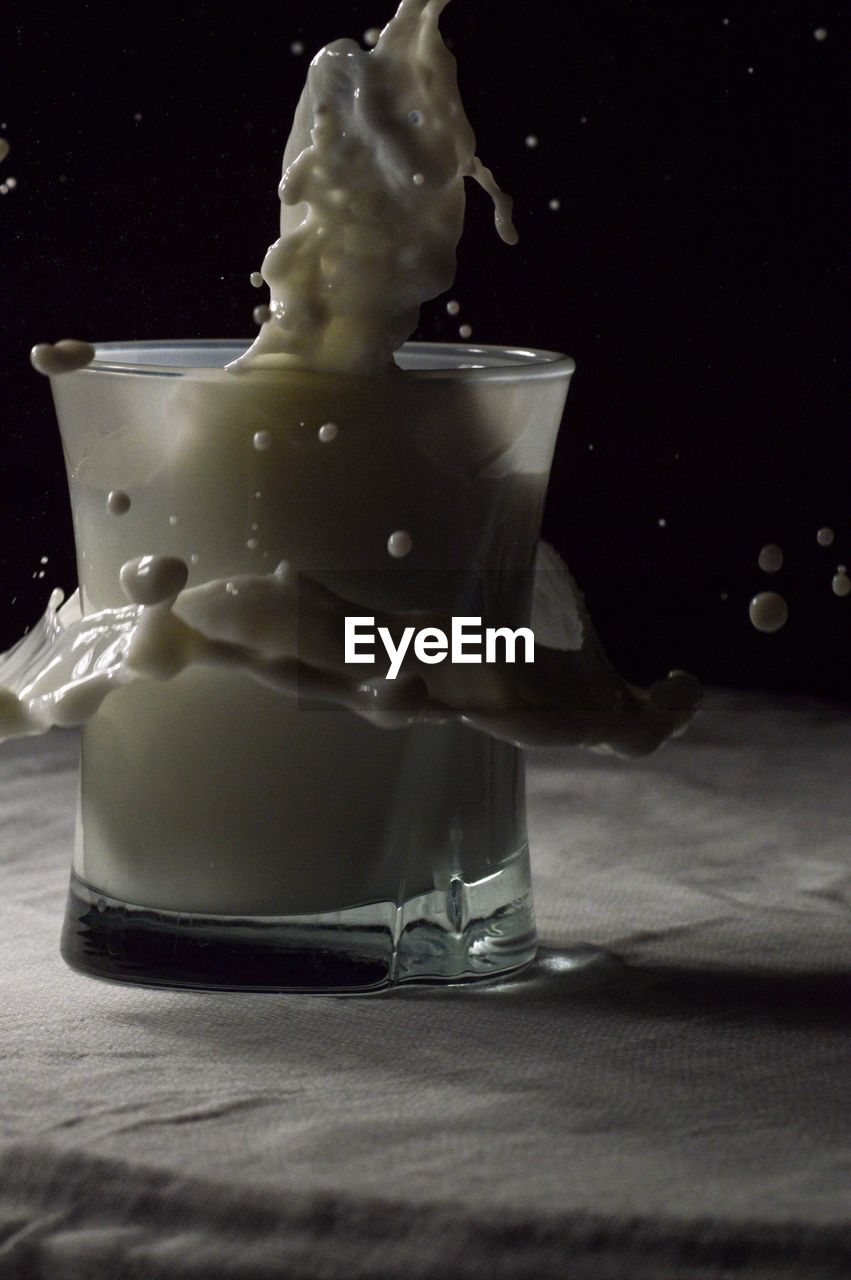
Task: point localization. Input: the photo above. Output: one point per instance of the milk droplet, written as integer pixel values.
(11, 183)
(297, 48)
(555, 204)
(418, 179)
(328, 432)
(371, 36)
(45, 560)
(256, 279)
(770, 558)
(824, 537)
(453, 307)
(66, 356)
(465, 331)
(531, 140)
(262, 441)
(725, 595)
(118, 502)
(4, 148)
(261, 315)
(137, 116)
(768, 611)
(416, 117)
(841, 584)
(820, 34)
(399, 544)
(662, 522)
(173, 521)
(153, 579)
(194, 557)
(252, 544)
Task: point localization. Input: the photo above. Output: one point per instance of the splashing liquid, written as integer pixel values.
(372, 200)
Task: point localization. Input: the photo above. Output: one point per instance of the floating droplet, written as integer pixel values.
(399, 544)
(662, 522)
(297, 48)
(770, 558)
(418, 179)
(173, 521)
(262, 441)
(768, 611)
(252, 544)
(820, 34)
(465, 331)
(256, 280)
(824, 537)
(118, 502)
(453, 307)
(371, 36)
(531, 140)
(328, 432)
(555, 204)
(261, 315)
(841, 584)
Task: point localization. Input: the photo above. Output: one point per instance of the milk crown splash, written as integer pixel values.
(372, 199)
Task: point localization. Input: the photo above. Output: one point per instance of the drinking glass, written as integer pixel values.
(230, 836)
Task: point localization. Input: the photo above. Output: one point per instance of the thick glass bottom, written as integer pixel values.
(469, 931)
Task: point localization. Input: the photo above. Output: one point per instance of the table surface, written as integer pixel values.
(663, 1094)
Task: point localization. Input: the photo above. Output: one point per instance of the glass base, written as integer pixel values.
(467, 932)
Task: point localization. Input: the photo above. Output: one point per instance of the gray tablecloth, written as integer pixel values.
(665, 1094)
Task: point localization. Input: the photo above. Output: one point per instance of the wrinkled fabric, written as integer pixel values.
(664, 1094)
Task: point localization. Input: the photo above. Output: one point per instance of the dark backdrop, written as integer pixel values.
(692, 270)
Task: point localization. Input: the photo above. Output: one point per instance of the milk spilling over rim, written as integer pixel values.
(286, 631)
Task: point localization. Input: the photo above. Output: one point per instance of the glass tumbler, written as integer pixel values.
(230, 836)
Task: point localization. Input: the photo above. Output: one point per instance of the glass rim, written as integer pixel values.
(477, 362)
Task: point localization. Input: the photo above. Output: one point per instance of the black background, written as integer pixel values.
(692, 270)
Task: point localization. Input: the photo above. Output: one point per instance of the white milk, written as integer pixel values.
(208, 783)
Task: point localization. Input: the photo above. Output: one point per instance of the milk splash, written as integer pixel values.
(372, 208)
(372, 199)
(286, 631)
